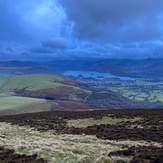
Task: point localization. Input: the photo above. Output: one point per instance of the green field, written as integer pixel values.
(34, 83)
(30, 82)
(19, 105)
(139, 90)
(13, 102)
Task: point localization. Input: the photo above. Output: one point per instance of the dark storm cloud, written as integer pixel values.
(9, 27)
(33, 19)
(58, 43)
(41, 50)
(115, 20)
(50, 46)
(81, 28)
(28, 23)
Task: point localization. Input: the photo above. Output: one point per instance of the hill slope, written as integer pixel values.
(33, 93)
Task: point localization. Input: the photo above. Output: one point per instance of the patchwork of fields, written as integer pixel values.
(141, 90)
(146, 90)
(35, 93)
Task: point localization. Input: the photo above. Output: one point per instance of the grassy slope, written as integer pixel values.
(18, 105)
(11, 104)
(35, 82)
(30, 82)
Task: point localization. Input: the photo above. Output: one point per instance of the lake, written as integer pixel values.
(93, 74)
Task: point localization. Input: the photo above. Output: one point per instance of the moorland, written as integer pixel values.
(107, 112)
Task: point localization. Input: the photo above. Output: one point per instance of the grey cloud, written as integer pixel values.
(55, 44)
(119, 20)
(9, 27)
(51, 46)
(85, 28)
(41, 50)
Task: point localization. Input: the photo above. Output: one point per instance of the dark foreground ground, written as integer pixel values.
(8, 156)
(148, 126)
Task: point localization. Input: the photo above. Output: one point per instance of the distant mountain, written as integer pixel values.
(122, 67)
(133, 68)
(144, 68)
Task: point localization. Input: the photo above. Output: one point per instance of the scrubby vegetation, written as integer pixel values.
(105, 120)
(127, 136)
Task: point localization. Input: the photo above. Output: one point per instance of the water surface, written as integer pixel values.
(94, 74)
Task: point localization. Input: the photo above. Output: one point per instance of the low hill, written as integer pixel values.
(33, 93)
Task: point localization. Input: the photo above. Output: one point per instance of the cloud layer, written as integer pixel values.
(71, 28)
(114, 20)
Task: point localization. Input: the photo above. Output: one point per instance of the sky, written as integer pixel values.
(42, 29)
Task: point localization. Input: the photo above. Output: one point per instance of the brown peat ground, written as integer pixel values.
(83, 137)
